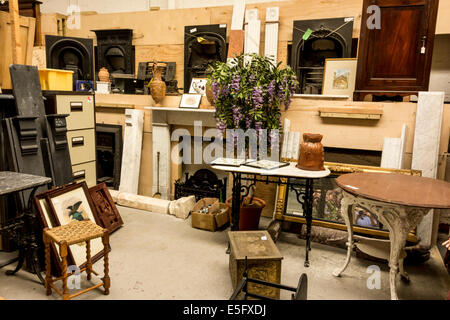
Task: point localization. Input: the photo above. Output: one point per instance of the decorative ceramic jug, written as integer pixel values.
(312, 155)
(103, 75)
(157, 86)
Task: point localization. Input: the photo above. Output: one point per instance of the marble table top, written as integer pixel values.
(290, 171)
(13, 181)
(397, 188)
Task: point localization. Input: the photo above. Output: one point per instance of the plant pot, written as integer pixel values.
(157, 86)
(312, 155)
(209, 95)
(248, 216)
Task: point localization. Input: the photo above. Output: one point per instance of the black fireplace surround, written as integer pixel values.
(73, 54)
(330, 38)
(198, 55)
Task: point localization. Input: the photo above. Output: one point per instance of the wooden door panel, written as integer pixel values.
(390, 59)
(400, 45)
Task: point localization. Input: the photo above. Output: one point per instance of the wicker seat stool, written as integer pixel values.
(65, 236)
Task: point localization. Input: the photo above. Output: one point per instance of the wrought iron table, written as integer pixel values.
(284, 175)
(399, 202)
(22, 227)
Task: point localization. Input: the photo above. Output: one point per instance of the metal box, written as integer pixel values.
(263, 260)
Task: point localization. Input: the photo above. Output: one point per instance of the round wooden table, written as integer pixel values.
(399, 202)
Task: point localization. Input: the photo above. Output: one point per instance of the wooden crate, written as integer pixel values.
(27, 29)
(263, 260)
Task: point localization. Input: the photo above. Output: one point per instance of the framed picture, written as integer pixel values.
(190, 101)
(327, 203)
(198, 86)
(266, 164)
(73, 202)
(106, 208)
(47, 221)
(339, 77)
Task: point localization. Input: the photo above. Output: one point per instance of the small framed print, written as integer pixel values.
(198, 86)
(339, 76)
(190, 101)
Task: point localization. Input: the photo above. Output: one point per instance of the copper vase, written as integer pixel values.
(157, 86)
(312, 155)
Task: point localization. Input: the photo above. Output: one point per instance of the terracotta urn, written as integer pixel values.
(209, 94)
(157, 86)
(312, 155)
(103, 75)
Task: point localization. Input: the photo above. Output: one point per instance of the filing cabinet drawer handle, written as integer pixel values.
(76, 106)
(77, 141)
(79, 175)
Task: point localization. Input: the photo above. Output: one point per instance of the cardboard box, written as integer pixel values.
(216, 217)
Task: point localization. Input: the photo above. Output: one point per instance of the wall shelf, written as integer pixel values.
(351, 113)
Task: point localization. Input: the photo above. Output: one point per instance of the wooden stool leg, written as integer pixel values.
(88, 260)
(106, 280)
(48, 266)
(63, 254)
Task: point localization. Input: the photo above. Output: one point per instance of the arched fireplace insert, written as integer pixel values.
(203, 45)
(73, 54)
(330, 38)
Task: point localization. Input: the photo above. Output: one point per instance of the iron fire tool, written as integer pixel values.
(301, 291)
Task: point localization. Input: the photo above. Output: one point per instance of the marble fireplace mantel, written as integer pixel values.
(162, 120)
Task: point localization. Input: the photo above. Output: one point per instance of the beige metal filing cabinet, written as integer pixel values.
(80, 131)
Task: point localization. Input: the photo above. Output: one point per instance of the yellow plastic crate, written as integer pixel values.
(55, 79)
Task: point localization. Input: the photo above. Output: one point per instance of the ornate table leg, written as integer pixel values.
(347, 213)
(399, 220)
(236, 204)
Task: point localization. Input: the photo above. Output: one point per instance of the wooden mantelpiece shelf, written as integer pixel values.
(351, 112)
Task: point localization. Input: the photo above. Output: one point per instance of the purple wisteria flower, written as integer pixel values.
(221, 126)
(257, 97)
(237, 115)
(236, 83)
(215, 87)
(248, 122)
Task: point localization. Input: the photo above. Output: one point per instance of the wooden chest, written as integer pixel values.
(263, 260)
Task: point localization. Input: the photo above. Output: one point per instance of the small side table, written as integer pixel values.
(399, 202)
(22, 228)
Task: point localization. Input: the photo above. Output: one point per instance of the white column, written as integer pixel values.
(161, 144)
(271, 42)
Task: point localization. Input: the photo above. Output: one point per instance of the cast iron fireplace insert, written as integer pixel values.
(330, 38)
(73, 54)
(115, 51)
(203, 45)
(109, 154)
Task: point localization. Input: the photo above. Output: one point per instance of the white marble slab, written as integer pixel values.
(132, 148)
(252, 36)
(425, 156)
(237, 20)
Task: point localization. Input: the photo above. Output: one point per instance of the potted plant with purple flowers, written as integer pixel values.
(248, 93)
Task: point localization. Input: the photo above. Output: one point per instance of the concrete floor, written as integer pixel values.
(158, 256)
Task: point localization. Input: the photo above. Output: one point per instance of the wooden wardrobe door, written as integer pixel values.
(396, 59)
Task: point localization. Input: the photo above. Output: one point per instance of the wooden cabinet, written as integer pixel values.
(395, 59)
